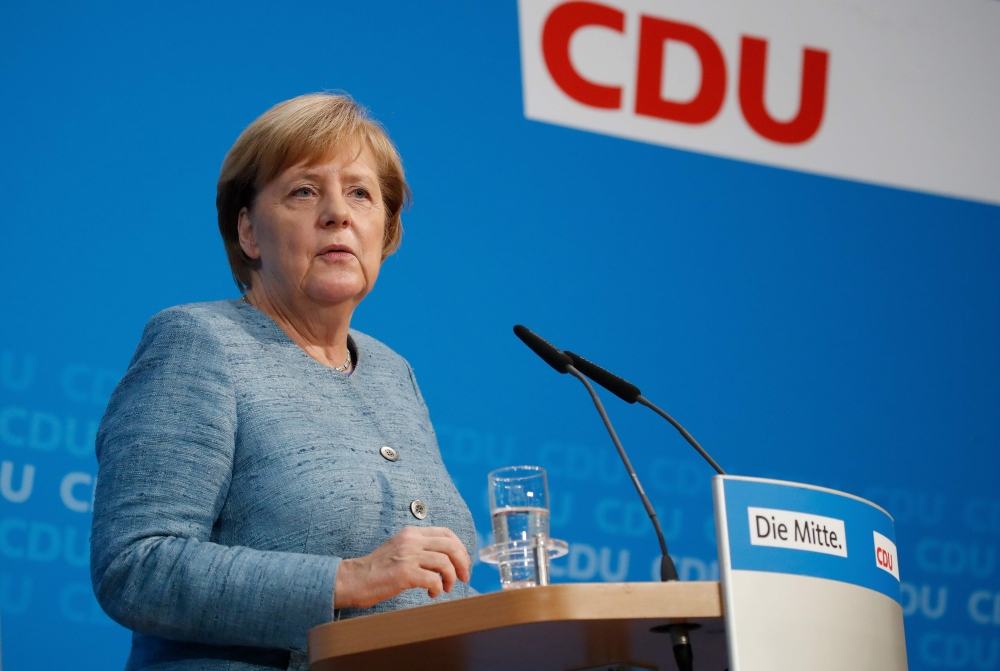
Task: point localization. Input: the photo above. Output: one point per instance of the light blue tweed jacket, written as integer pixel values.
(236, 472)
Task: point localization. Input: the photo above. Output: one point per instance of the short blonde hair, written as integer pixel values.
(309, 128)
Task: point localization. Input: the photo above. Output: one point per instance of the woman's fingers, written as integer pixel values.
(437, 531)
(441, 539)
(432, 558)
(430, 581)
(456, 553)
(441, 564)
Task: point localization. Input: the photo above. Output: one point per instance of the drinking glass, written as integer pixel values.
(519, 506)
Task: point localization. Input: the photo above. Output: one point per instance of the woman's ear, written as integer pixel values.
(247, 239)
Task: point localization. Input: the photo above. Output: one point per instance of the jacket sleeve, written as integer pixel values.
(165, 451)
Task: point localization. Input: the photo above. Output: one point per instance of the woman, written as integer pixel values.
(263, 467)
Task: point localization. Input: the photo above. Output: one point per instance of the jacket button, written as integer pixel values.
(389, 453)
(418, 509)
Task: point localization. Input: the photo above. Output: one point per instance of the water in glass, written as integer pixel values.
(519, 523)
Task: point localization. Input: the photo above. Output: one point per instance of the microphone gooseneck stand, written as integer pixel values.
(562, 363)
(630, 393)
(667, 569)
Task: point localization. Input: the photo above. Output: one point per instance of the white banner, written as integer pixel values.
(797, 531)
(903, 93)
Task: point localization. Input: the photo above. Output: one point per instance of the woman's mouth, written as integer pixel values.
(336, 253)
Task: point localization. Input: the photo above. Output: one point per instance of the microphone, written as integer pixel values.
(623, 389)
(630, 393)
(544, 349)
(562, 362)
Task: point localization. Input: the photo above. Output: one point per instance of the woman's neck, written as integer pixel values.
(320, 330)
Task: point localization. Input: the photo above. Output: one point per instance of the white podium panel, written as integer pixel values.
(810, 578)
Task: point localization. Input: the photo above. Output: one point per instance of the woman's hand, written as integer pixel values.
(431, 558)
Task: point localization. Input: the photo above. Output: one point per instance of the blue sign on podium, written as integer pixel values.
(810, 578)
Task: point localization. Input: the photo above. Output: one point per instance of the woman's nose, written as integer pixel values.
(335, 211)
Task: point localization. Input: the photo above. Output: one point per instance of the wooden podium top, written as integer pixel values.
(567, 626)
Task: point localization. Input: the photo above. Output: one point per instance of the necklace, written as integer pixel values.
(347, 364)
(340, 369)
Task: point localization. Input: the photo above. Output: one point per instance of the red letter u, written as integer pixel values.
(558, 31)
(648, 100)
(753, 65)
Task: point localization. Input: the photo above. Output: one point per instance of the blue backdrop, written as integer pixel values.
(801, 327)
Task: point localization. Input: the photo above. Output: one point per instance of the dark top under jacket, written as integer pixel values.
(235, 473)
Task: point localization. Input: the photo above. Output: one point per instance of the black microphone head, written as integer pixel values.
(623, 389)
(543, 348)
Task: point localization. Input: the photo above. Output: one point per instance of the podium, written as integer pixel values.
(810, 580)
(557, 627)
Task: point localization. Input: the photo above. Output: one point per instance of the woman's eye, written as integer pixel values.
(302, 191)
(359, 193)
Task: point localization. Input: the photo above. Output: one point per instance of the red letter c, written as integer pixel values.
(565, 20)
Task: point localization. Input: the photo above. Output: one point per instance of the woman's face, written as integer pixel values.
(317, 230)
